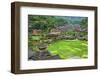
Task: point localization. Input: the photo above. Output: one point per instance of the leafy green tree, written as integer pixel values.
(45, 23)
(84, 23)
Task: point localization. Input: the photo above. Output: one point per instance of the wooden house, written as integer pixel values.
(36, 32)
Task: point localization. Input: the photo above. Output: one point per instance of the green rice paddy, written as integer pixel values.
(67, 49)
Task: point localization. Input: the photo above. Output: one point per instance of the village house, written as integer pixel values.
(36, 32)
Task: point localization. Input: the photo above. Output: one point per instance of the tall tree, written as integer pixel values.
(84, 23)
(45, 23)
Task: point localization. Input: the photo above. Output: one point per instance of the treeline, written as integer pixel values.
(46, 23)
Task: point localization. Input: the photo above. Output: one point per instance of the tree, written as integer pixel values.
(84, 23)
(45, 23)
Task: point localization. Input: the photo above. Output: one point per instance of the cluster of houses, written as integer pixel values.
(57, 31)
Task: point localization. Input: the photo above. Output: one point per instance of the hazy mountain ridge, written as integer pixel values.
(73, 19)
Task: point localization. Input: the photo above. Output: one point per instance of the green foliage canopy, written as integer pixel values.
(45, 23)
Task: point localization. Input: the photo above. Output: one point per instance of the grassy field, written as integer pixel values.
(69, 49)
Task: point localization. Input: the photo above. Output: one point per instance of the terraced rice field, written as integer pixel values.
(69, 49)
